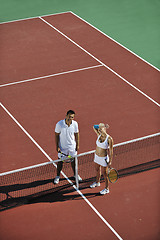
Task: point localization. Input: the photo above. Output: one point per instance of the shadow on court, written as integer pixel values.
(29, 193)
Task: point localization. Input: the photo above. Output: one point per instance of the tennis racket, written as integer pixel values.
(112, 175)
(66, 158)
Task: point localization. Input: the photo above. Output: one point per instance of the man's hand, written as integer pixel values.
(58, 149)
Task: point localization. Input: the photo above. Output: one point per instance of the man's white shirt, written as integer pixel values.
(66, 135)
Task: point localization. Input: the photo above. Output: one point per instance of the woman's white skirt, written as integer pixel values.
(101, 160)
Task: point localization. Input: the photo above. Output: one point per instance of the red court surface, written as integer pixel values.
(132, 209)
(59, 62)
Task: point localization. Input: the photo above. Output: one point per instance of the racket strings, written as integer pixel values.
(113, 176)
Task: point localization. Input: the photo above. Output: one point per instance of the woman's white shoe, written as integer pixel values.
(104, 191)
(93, 185)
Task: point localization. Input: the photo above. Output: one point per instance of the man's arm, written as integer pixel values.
(77, 140)
(57, 141)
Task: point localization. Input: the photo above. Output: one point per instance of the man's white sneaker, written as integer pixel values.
(93, 185)
(56, 180)
(104, 191)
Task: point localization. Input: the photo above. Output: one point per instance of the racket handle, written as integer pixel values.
(96, 126)
(69, 156)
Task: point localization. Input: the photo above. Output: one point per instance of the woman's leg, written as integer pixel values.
(98, 172)
(105, 170)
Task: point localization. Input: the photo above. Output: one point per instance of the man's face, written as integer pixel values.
(69, 118)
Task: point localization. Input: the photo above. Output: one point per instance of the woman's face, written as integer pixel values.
(102, 130)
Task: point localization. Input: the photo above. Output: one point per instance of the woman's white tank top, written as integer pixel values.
(104, 144)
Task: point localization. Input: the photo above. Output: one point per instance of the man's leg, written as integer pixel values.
(59, 168)
(73, 166)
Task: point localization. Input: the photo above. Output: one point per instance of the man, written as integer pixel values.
(67, 140)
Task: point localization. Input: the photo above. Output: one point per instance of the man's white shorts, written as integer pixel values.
(72, 153)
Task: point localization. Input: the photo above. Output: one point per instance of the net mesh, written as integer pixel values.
(128, 158)
(19, 186)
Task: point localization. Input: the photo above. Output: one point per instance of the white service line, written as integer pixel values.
(51, 75)
(137, 89)
(48, 157)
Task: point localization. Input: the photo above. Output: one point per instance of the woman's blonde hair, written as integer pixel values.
(101, 125)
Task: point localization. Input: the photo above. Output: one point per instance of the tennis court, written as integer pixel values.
(59, 62)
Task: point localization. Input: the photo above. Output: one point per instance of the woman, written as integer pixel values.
(103, 155)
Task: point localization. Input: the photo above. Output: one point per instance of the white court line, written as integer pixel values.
(30, 18)
(48, 157)
(137, 89)
(115, 41)
(48, 76)
(88, 24)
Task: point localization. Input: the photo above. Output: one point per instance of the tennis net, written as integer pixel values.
(17, 187)
(128, 157)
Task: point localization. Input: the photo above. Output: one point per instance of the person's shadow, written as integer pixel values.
(41, 191)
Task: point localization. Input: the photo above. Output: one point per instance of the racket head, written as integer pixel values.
(68, 159)
(113, 175)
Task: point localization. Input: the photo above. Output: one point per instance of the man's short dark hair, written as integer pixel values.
(70, 112)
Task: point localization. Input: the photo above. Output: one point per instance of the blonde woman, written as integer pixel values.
(103, 155)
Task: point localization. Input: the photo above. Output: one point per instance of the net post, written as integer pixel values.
(76, 172)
